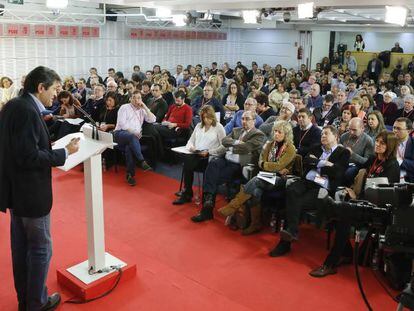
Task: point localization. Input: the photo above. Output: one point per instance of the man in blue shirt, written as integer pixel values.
(249, 105)
(315, 100)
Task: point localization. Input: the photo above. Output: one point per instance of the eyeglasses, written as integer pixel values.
(246, 119)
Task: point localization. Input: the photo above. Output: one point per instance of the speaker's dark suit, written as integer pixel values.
(26, 159)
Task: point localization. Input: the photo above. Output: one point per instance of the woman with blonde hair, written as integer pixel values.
(278, 97)
(215, 82)
(204, 141)
(277, 157)
(7, 90)
(69, 84)
(166, 90)
(358, 104)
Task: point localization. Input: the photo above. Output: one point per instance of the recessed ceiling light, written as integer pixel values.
(396, 15)
(56, 4)
(305, 10)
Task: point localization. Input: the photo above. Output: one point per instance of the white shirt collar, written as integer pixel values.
(39, 104)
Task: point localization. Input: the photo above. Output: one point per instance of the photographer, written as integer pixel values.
(383, 164)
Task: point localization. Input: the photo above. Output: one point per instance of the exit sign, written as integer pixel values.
(15, 1)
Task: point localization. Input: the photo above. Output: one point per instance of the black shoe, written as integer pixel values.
(203, 216)
(281, 249)
(145, 166)
(52, 303)
(285, 235)
(185, 198)
(179, 193)
(322, 271)
(130, 180)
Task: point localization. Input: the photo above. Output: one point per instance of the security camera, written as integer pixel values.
(286, 17)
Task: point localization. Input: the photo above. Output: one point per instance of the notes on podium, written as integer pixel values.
(88, 147)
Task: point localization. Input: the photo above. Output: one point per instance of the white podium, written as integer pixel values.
(99, 262)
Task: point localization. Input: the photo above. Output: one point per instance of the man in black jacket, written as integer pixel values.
(306, 135)
(26, 159)
(326, 114)
(374, 68)
(325, 167)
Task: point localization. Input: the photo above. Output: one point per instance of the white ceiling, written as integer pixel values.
(356, 12)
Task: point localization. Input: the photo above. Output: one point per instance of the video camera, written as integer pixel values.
(389, 207)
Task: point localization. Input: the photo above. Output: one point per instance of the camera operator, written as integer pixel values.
(405, 151)
(382, 164)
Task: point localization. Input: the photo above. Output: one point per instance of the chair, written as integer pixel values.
(147, 148)
(170, 143)
(199, 171)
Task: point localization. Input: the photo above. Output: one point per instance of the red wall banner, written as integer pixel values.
(50, 30)
(86, 32)
(163, 34)
(95, 31)
(12, 30)
(73, 31)
(64, 31)
(24, 30)
(39, 31)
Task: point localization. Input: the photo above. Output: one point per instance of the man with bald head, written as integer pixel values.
(249, 105)
(359, 144)
(315, 99)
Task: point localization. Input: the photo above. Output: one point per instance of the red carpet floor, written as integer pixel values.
(186, 266)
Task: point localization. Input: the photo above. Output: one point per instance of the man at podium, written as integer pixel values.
(26, 159)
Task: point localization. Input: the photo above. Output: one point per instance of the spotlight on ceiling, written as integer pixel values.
(250, 16)
(396, 15)
(57, 4)
(286, 17)
(305, 10)
(179, 20)
(162, 12)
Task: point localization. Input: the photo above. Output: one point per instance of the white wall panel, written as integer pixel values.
(377, 42)
(115, 49)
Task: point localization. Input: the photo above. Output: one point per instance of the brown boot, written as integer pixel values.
(255, 222)
(235, 204)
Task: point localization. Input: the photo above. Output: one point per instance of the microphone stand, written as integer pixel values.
(95, 132)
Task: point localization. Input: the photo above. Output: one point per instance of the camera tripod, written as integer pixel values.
(407, 296)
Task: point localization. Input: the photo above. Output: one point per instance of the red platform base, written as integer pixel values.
(84, 291)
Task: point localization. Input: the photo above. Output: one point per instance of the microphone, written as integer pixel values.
(95, 133)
